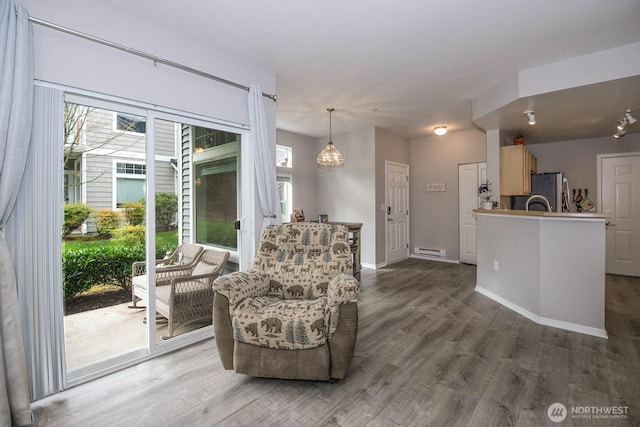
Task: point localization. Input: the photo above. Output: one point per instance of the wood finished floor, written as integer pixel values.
(430, 352)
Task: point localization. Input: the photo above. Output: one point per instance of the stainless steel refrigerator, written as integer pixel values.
(548, 185)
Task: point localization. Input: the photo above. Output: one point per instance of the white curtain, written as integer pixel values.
(16, 103)
(34, 241)
(265, 159)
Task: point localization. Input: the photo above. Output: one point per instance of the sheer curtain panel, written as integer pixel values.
(34, 241)
(16, 103)
(265, 162)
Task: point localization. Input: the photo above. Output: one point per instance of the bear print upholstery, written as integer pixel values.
(292, 299)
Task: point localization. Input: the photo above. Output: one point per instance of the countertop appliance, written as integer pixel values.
(548, 185)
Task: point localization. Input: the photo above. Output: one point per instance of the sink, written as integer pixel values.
(541, 197)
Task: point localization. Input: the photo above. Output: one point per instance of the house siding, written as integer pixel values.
(104, 146)
(185, 181)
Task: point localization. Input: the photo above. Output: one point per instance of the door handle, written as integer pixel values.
(609, 223)
(389, 219)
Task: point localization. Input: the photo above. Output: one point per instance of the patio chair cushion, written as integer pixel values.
(281, 324)
(203, 268)
(139, 281)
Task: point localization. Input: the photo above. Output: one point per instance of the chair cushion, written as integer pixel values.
(283, 324)
(203, 268)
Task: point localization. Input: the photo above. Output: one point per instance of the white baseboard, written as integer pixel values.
(374, 266)
(568, 326)
(431, 258)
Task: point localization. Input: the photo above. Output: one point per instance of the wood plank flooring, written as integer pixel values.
(430, 352)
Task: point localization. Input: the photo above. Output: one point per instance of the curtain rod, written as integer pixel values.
(155, 59)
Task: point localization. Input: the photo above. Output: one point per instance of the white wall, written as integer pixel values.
(69, 60)
(348, 193)
(434, 215)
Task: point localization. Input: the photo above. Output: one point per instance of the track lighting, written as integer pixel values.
(626, 120)
(440, 130)
(531, 115)
(622, 123)
(619, 134)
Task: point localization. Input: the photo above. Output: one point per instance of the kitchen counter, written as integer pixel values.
(576, 215)
(546, 266)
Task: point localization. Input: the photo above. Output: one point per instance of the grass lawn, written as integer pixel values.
(164, 238)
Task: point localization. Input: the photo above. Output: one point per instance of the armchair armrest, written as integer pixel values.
(342, 289)
(240, 285)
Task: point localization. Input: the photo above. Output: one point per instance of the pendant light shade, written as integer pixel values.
(330, 156)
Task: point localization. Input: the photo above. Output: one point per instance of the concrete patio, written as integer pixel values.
(96, 335)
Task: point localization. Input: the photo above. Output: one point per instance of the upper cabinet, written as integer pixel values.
(516, 166)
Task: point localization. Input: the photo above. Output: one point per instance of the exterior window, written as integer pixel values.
(130, 182)
(215, 186)
(283, 156)
(285, 191)
(205, 138)
(130, 123)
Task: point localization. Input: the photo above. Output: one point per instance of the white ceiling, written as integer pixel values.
(407, 66)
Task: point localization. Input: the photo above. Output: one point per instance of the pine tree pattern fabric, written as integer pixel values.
(291, 298)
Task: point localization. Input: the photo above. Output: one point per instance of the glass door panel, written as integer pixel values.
(103, 233)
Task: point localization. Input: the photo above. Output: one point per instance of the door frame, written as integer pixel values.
(599, 158)
(387, 163)
(476, 200)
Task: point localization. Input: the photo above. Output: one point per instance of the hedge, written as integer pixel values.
(102, 265)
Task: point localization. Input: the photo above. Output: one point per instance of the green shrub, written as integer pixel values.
(129, 235)
(74, 215)
(107, 220)
(101, 265)
(166, 209)
(134, 212)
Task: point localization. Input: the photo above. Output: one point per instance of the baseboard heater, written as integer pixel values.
(439, 253)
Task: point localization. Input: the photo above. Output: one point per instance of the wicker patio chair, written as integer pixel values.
(176, 264)
(185, 294)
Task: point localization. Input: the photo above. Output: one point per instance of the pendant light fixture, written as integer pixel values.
(330, 157)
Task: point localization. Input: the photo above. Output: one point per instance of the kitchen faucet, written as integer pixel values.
(539, 196)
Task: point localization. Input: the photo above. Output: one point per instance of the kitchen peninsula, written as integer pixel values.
(546, 266)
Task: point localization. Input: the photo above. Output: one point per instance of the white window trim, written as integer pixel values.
(289, 150)
(116, 175)
(289, 179)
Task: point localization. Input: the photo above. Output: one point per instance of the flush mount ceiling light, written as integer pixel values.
(531, 116)
(330, 157)
(626, 120)
(440, 130)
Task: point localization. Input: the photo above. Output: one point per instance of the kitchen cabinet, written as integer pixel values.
(516, 166)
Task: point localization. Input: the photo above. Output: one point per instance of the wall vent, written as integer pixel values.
(439, 253)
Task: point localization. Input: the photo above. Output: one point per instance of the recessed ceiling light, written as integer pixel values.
(440, 130)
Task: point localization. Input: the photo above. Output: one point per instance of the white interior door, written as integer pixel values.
(397, 214)
(620, 198)
(469, 178)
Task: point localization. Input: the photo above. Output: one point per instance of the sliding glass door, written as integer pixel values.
(140, 186)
